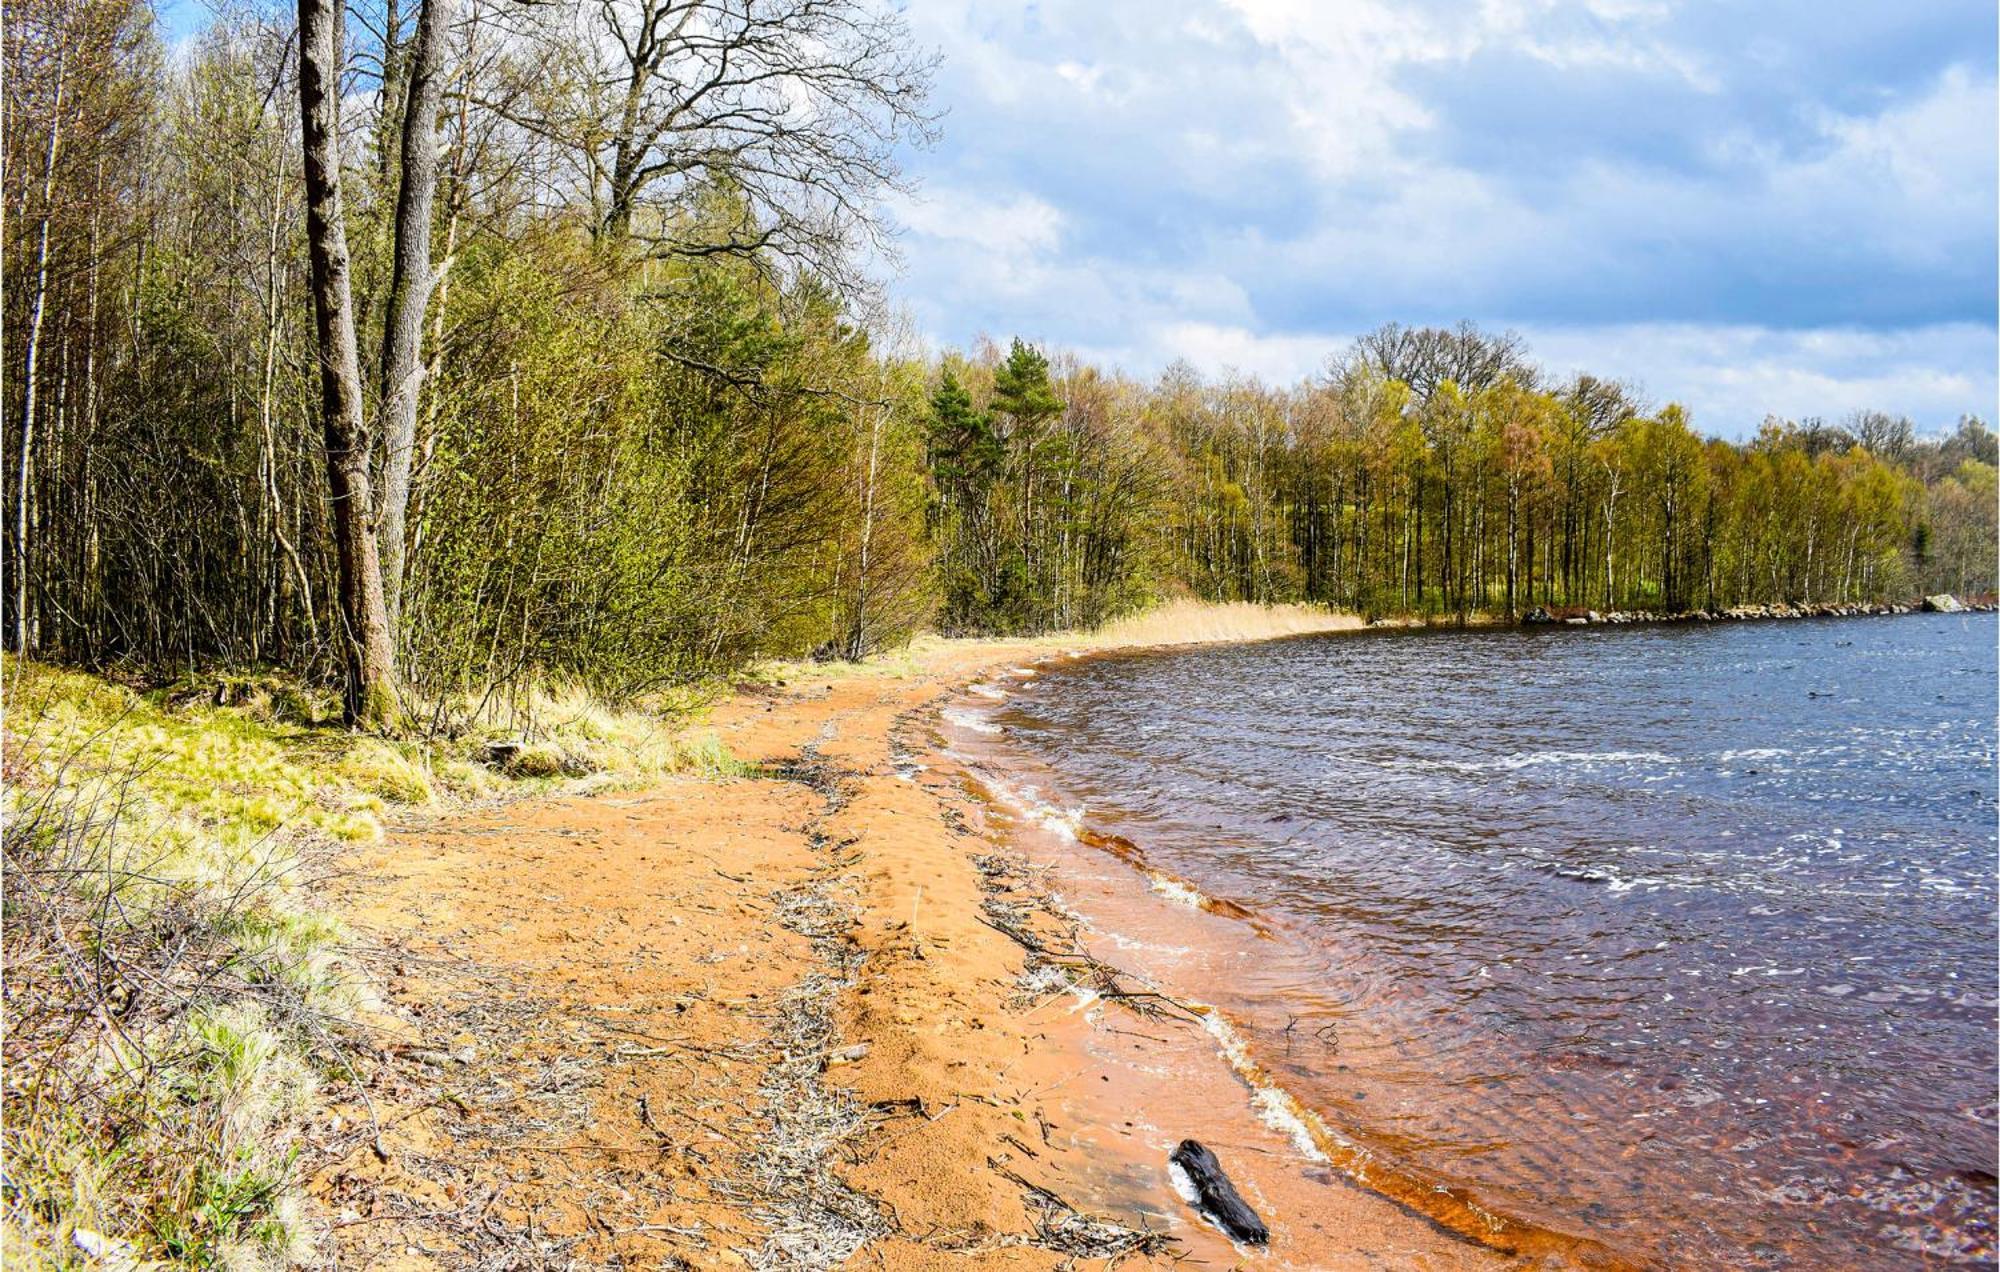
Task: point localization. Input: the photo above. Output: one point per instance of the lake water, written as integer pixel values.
(1677, 937)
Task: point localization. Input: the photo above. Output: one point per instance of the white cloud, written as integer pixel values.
(1218, 350)
(1724, 209)
(1730, 377)
(1010, 225)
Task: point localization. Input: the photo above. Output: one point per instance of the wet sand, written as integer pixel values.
(793, 1020)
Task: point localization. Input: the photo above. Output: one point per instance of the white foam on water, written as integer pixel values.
(1176, 891)
(1532, 759)
(970, 720)
(1536, 759)
(1276, 1107)
(1618, 883)
(1124, 942)
(1064, 823)
(1754, 753)
(994, 692)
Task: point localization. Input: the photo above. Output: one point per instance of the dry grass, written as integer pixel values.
(1196, 622)
(173, 1002)
(176, 1009)
(1177, 622)
(541, 730)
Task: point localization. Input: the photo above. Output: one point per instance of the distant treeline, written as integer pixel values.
(1431, 472)
(631, 430)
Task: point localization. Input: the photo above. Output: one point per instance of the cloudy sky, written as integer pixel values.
(1782, 206)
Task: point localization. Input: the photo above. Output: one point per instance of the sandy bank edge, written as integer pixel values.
(877, 1009)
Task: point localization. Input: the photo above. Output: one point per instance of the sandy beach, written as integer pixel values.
(820, 1014)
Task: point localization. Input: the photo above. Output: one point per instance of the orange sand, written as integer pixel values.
(764, 1022)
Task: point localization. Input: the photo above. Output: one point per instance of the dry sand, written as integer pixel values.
(775, 1021)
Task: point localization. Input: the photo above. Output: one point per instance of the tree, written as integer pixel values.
(1425, 357)
(1886, 436)
(1667, 463)
(965, 457)
(799, 104)
(371, 697)
(1515, 422)
(409, 293)
(1023, 396)
(77, 84)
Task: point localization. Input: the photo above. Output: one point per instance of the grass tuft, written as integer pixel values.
(553, 732)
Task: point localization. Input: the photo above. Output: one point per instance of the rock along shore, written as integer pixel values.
(1578, 617)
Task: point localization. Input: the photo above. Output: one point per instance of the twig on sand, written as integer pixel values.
(1058, 955)
(1062, 1228)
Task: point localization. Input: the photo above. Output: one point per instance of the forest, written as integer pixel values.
(424, 348)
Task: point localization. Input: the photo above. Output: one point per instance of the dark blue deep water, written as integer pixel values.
(1695, 925)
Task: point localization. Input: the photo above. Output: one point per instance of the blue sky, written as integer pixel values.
(1752, 207)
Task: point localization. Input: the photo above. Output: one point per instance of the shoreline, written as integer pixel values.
(1039, 788)
(1584, 616)
(778, 1019)
(827, 1006)
(1136, 897)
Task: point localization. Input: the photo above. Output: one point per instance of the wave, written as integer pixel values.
(971, 720)
(1535, 759)
(1754, 753)
(1312, 1136)
(1318, 1141)
(1165, 882)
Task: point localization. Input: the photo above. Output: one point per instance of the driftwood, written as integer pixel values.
(1216, 1197)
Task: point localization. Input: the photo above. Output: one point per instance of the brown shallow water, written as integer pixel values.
(1677, 940)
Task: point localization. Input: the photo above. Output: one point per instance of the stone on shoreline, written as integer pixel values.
(1942, 603)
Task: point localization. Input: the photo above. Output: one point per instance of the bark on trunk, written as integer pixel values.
(24, 627)
(371, 668)
(409, 293)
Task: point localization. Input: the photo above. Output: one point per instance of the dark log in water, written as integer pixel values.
(1217, 1197)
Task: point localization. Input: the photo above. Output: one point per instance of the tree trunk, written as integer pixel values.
(409, 294)
(24, 631)
(857, 644)
(1513, 539)
(370, 658)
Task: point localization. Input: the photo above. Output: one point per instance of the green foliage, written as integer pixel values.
(1040, 496)
(1021, 388)
(965, 454)
(1374, 496)
(637, 470)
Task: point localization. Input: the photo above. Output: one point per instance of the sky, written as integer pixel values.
(1785, 206)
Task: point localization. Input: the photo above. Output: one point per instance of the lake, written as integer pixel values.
(1679, 937)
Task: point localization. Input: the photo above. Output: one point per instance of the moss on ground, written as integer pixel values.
(176, 1005)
